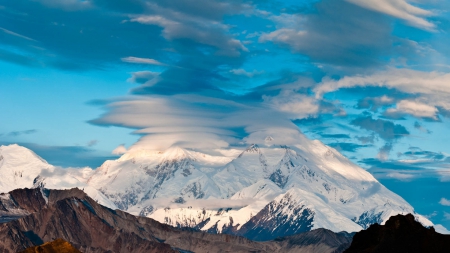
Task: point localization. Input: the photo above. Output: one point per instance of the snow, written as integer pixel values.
(184, 187)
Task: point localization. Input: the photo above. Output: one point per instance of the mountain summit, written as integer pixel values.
(291, 189)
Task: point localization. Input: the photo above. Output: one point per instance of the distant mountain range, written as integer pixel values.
(289, 189)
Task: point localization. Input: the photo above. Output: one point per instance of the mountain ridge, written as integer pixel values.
(187, 188)
(90, 227)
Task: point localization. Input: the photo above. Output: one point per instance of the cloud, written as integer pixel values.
(92, 143)
(387, 130)
(132, 59)
(446, 216)
(400, 176)
(18, 133)
(366, 139)
(351, 37)
(95, 34)
(120, 150)
(296, 105)
(414, 108)
(68, 5)
(444, 202)
(400, 9)
(15, 34)
(198, 122)
(384, 151)
(335, 136)
(418, 153)
(143, 77)
(189, 23)
(374, 103)
(409, 169)
(346, 146)
(431, 89)
(243, 72)
(418, 126)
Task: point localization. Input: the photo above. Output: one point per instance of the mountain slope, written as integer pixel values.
(22, 168)
(302, 187)
(74, 217)
(186, 188)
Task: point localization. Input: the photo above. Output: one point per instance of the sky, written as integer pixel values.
(82, 81)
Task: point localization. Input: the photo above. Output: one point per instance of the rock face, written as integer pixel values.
(399, 234)
(71, 215)
(56, 246)
(318, 240)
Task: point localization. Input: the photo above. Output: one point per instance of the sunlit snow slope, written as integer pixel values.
(265, 192)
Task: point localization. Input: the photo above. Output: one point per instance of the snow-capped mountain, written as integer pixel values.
(288, 189)
(262, 193)
(22, 168)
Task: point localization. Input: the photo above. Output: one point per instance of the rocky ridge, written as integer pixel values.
(90, 227)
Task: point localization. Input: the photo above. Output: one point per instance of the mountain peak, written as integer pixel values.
(176, 153)
(253, 148)
(16, 154)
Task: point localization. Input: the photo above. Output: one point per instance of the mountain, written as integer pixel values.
(74, 217)
(401, 233)
(56, 246)
(291, 189)
(22, 168)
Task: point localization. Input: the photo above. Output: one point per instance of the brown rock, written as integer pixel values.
(56, 246)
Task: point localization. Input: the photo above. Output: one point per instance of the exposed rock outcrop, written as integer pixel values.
(56, 246)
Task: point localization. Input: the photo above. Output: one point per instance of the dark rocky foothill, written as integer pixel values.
(401, 233)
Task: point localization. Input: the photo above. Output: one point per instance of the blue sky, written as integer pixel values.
(369, 78)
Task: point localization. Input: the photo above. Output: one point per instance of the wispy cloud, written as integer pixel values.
(18, 133)
(400, 9)
(15, 34)
(138, 60)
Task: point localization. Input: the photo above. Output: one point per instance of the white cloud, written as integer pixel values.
(444, 202)
(441, 229)
(193, 121)
(414, 108)
(15, 34)
(432, 88)
(296, 105)
(120, 150)
(400, 176)
(243, 72)
(132, 59)
(154, 20)
(400, 9)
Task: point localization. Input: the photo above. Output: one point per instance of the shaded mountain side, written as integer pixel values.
(56, 246)
(401, 233)
(318, 240)
(91, 228)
